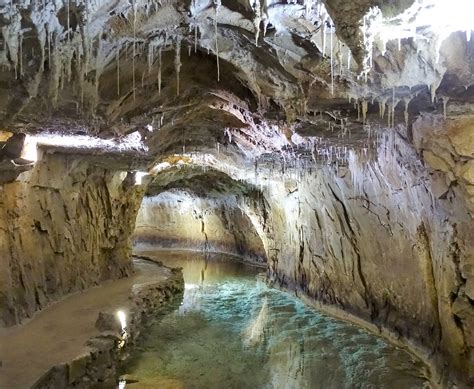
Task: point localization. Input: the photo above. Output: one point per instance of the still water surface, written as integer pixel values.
(232, 331)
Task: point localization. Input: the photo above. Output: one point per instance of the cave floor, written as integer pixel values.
(59, 332)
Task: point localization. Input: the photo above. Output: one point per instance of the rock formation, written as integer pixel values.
(332, 139)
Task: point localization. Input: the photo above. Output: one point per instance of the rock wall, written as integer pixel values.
(179, 220)
(64, 226)
(388, 239)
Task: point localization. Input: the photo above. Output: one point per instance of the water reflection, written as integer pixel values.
(232, 331)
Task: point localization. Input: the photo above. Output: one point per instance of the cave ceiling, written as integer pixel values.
(238, 78)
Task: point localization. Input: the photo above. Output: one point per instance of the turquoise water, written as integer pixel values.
(231, 331)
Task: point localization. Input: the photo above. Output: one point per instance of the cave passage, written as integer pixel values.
(230, 330)
(327, 143)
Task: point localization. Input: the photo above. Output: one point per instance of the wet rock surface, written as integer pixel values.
(332, 138)
(64, 226)
(180, 220)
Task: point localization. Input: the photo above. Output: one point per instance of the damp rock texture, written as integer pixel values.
(333, 139)
(180, 220)
(65, 226)
(387, 239)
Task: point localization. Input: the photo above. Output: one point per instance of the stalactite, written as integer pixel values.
(134, 48)
(49, 35)
(177, 63)
(433, 88)
(195, 38)
(389, 113)
(382, 106)
(159, 70)
(68, 21)
(323, 33)
(217, 6)
(332, 62)
(257, 9)
(365, 108)
(406, 100)
(20, 53)
(445, 106)
(150, 57)
(117, 58)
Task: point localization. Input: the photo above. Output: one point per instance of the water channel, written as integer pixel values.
(230, 330)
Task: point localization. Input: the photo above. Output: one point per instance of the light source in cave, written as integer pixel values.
(122, 319)
(132, 141)
(30, 149)
(139, 177)
(435, 19)
(447, 16)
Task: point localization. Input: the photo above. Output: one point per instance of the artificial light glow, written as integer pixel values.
(30, 149)
(132, 141)
(425, 19)
(122, 383)
(139, 177)
(123, 319)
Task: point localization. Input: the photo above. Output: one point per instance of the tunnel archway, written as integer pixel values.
(200, 209)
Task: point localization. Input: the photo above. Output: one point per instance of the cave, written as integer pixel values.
(236, 194)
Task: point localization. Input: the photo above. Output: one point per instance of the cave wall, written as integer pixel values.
(179, 220)
(64, 226)
(389, 240)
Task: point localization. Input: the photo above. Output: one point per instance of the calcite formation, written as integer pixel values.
(332, 139)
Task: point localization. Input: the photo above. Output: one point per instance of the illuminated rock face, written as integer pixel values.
(64, 227)
(264, 114)
(376, 241)
(183, 221)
